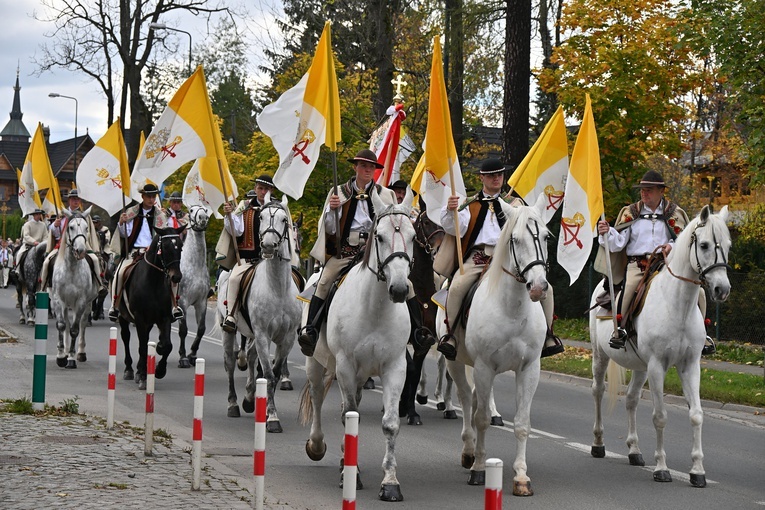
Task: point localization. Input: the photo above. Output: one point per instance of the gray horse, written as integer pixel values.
(26, 282)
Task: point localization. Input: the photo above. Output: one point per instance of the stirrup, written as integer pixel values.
(709, 347)
(556, 347)
(447, 346)
(229, 324)
(422, 340)
(307, 340)
(177, 313)
(113, 314)
(618, 339)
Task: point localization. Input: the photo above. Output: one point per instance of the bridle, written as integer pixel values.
(80, 233)
(396, 233)
(520, 274)
(714, 265)
(197, 224)
(164, 265)
(273, 208)
(422, 238)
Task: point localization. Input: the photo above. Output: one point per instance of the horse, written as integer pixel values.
(147, 301)
(194, 289)
(270, 312)
(27, 282)
(366, 333)
(505, 331)
(75, 285)
(672, 334)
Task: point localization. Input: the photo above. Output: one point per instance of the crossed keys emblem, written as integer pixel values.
(554, 197)
(103, 173)
(299, 148)
(436, 180)
(157, 143)
(571, 228)
(22, 191)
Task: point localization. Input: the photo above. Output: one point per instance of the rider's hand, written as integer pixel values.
(334, 202)
(665, 249)
(227, 208)
(123, 218)
(57, 223)
(453, 202)
(603, 227)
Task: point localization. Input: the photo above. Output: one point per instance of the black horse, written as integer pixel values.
(147, 301)
(428, 237)
(26, 282)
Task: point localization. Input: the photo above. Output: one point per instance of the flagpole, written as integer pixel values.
(338, 234)
(456, 221)
(610, 277)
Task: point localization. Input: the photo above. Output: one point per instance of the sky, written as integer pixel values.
(22, 36)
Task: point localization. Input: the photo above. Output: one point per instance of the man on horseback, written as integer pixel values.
(480, 223)
(245, 230)
(356, 218)
(136, 227)
(176, 216)
(34, 232)
(640, 229)
(105, 252)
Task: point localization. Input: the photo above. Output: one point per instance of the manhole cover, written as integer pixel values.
(74, 439)
(15, 459)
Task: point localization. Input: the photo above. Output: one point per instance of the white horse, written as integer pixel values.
(74, 288)
(195, 286)
(505, 331)
(270, 312)
(366, 333)
(670, 332)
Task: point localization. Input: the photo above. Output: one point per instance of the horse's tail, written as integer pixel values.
(305, 407)
(616, 376)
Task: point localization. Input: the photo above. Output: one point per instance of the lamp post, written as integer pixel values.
(162, 26)
(76, 107)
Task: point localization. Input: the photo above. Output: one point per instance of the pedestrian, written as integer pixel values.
(6, 263)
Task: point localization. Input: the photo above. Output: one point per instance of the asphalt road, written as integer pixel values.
(563, 473)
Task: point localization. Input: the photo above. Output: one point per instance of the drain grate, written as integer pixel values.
(75, 440)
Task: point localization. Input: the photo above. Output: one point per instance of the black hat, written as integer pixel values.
(73, 194)
(399, 184)
(491, 166)
(175, 195)
(650, 179)
(149, 189)
(368, 156)
(96, 218)
(37, 211)
(250, 194)
(265, 180)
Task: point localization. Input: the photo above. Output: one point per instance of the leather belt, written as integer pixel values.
(637, 258)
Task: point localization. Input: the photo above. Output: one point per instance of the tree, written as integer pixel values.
(517, 73)
(232, 102)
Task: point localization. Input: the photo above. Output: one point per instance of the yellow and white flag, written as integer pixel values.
(303, 118)
(544, 169)
(103, 177)
(184, 132)
(29, 199)
(37, 164)
(439, 165)
(583, 205)
(52, 204)
(203, 185)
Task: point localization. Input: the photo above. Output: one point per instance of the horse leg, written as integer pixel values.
(393, 380)
(77, 332)
(422, 387)
(199, 314)
(272, 376)
(526, 382)
(164, 348)
(633, 397)
(406, 404)
(61, 356)
(689, 376)
(311, 402)
(142, 332)
(449, 412)
(241, 356)
(20, 303)
(228, 362)
(496, 418)
(31, 307)
(438, 391)
(656, 374)
(464, 394)
(286, 382)
(128, 374)
(183, 330)
(483, 380)
(350, 391)
(599, 366)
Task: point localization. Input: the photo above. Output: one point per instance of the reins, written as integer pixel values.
(281, 235)
(520, 275)
(394, 254)
(158, 251)
(702, 272)
(420, 232)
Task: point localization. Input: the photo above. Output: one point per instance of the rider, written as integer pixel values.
(34, 232)
(640, 229)
(104, 235)
(356, 217)
(246, 230)
(480, 223)
(176, 216)
(137, 234)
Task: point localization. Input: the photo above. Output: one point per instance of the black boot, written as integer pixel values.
(310, 333)
(618, 339)
(420, 337)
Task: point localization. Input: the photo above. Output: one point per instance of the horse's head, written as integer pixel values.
(168, 251)
(392, 239)
(521, 250)
(275, 224)
(707, 241)
(199, 217)
(77, 232)
(428, 233)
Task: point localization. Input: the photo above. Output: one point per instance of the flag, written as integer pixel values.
(440, 158)
(584, 199)
(545, 167)
(29, 200)
(52, 204)
(103, 177)
(184, 132)
(39, 172)
(303, 118)
(390, 147)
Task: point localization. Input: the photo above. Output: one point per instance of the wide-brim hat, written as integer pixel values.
(650, 179)
(399, 184)
(265, 180)
(149, 189)
(73, 194)
(95, 218)
(175, 195)
(37, 211)
(367, 156)
(250, 194)
(491, 166)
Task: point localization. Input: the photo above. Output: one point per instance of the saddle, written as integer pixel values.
(246, 284)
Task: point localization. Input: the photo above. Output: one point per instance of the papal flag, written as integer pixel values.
(52, 203)
(38, 164)
(303, 118)
(391, 145)
(184, 132)
(103, 177)
(29, 199)
(583, 204)
(439, 170)
(545, 167)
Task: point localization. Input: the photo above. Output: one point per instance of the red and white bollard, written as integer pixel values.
(259, 454)
(196, 447)
(350, 460)
(112, 378)
(151, 361)
(493, 491)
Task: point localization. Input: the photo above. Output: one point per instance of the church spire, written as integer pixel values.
(15, 130)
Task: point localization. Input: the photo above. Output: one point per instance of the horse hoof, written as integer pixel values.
(390, 492)
(441, 406)
(286, 386)
(30, 322)
(315, 456)
(467, 460)
(248, 406)
(370, 384)
(184, 363)
(636, 459)
(451, 414)
(497, 421)
(422, 399)
(141, 384)
(161, 370)
(71, 364)
(698, 480)
(241, 361)
(128, 375)
(22, 320)
(193, 360)
(662, 476)
(274, 426)
(522, 489)
(599, 452)
(82, 357)
(414, 420)
(477, 478)
(233, 412)
(61, 362)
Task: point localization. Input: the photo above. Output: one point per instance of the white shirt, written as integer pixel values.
(144, 236)
(362, 221)
(640, 238)
(490, 230)
(238, 220)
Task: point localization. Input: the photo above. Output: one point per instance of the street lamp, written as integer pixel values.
(162, 26)
(76, 107)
